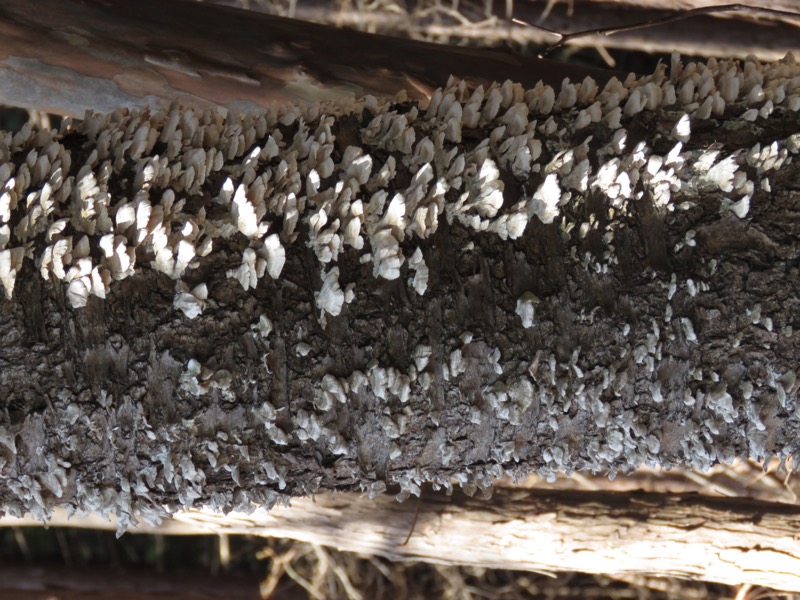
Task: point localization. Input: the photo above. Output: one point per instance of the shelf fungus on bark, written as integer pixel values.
(493, 205)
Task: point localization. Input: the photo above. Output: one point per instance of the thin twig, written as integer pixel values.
(22, 543)
(413, 523)
(550, 5)
(277, 568)
(341, 574)
(704, 10)
(302, 581)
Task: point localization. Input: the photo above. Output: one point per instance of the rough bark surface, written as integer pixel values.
(67, 56)
(230, 312)
(725, 540)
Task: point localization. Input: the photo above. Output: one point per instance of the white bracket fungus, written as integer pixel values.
(10, 264)
(544, 203)
(276, 255)
(264, 326)
(244, 214)
(191, 303)
(85, 279)
(302, 349)
(526, 305)
(250, 270)
(387, 256)
(682, 130)
(420, 279)
(330, 298)
(740, 208)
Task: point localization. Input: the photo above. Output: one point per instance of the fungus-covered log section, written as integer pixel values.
(230, 311)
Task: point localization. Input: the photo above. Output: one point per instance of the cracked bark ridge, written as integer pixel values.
(230, 311)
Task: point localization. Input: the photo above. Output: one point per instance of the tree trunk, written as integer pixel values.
(67, 56)
(233, 311)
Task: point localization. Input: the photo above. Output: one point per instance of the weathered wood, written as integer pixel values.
(725, 540)
(67, 56)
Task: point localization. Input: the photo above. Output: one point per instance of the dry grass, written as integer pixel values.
(441, 21)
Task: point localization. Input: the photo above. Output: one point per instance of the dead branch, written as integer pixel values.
(675, 17)
(725, 540)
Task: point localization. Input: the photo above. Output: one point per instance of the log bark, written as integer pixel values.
(725, 540)
(69, 56)
(232, 311)
(719, 35)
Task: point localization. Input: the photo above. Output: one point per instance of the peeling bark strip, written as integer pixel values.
(230, 312)
(725, 540)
